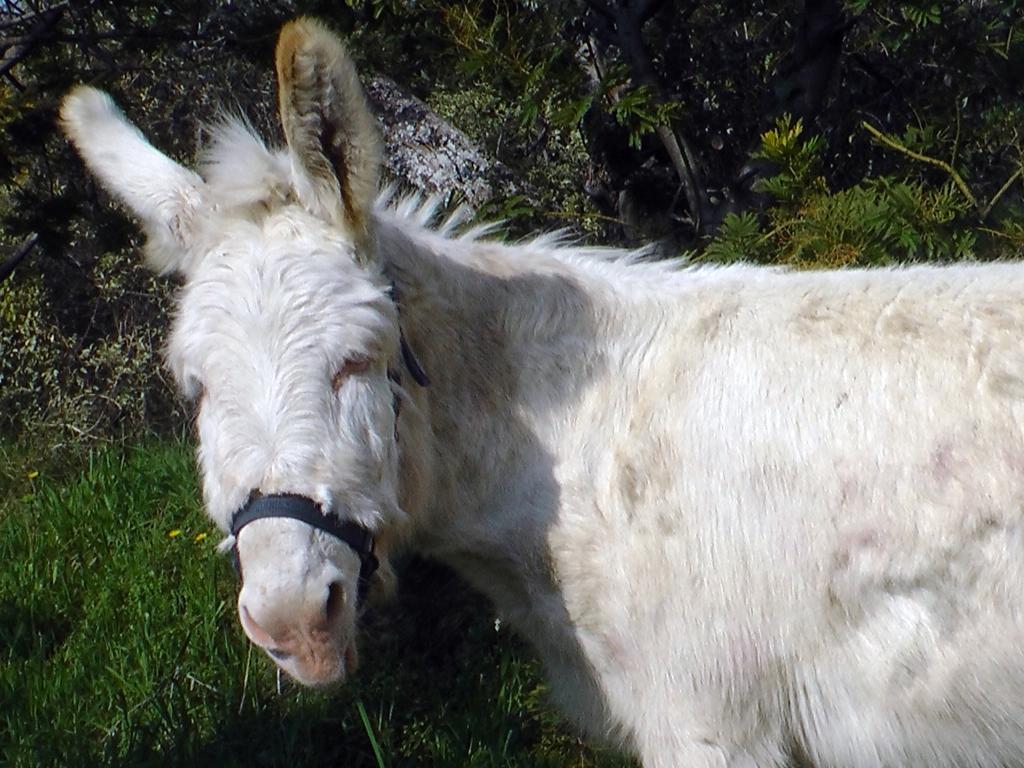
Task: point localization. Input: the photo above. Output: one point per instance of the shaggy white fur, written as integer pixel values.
(744, 516)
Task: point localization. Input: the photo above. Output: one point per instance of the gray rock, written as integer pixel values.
(430, 155)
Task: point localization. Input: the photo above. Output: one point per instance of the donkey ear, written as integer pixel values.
(334, 139)
(163, 194)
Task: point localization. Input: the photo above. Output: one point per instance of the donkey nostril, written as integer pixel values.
(335, 601)
(256, 633)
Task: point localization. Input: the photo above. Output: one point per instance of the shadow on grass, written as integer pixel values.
(25, 633)
(119, 646)
(298, 737)
(440, 686)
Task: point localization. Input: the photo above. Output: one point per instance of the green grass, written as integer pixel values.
(119, 645)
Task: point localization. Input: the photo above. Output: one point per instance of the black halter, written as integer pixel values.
(307, 511)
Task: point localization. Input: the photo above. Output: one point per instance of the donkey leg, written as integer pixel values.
(700, 753)
(692, 755)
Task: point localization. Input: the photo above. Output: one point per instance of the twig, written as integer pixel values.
(956, 139)
(894, 144)
(16, 20)
(1002, 190)
(1000, 233)
(11, 263)
(196, 681)
(983, 211)
(583, 216)
(22, 46)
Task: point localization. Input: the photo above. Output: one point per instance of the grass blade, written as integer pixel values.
(369, 733)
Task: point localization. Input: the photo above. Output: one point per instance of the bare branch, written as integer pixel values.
(23, 250)
(26, 17)
(628, 23)
(46, 21)
(982, 210)
(1002, 190)
(889, 141)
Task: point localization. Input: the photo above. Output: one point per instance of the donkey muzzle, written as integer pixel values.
(305, 510)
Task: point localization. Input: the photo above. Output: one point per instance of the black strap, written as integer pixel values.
(307, 511)
(408, 356)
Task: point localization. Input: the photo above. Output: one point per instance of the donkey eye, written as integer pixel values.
(349, 367)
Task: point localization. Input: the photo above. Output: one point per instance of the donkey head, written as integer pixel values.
(284, 332)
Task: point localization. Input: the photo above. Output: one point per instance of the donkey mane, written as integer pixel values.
(245, 175)
(240, 170)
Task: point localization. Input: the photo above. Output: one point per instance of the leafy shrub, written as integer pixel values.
(877, 221)
(74, 385)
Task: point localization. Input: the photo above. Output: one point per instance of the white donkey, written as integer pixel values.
(744, 516)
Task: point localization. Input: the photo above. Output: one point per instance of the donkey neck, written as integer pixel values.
(506, 336)
(516, 344)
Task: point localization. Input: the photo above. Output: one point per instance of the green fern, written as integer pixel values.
(739, 239)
